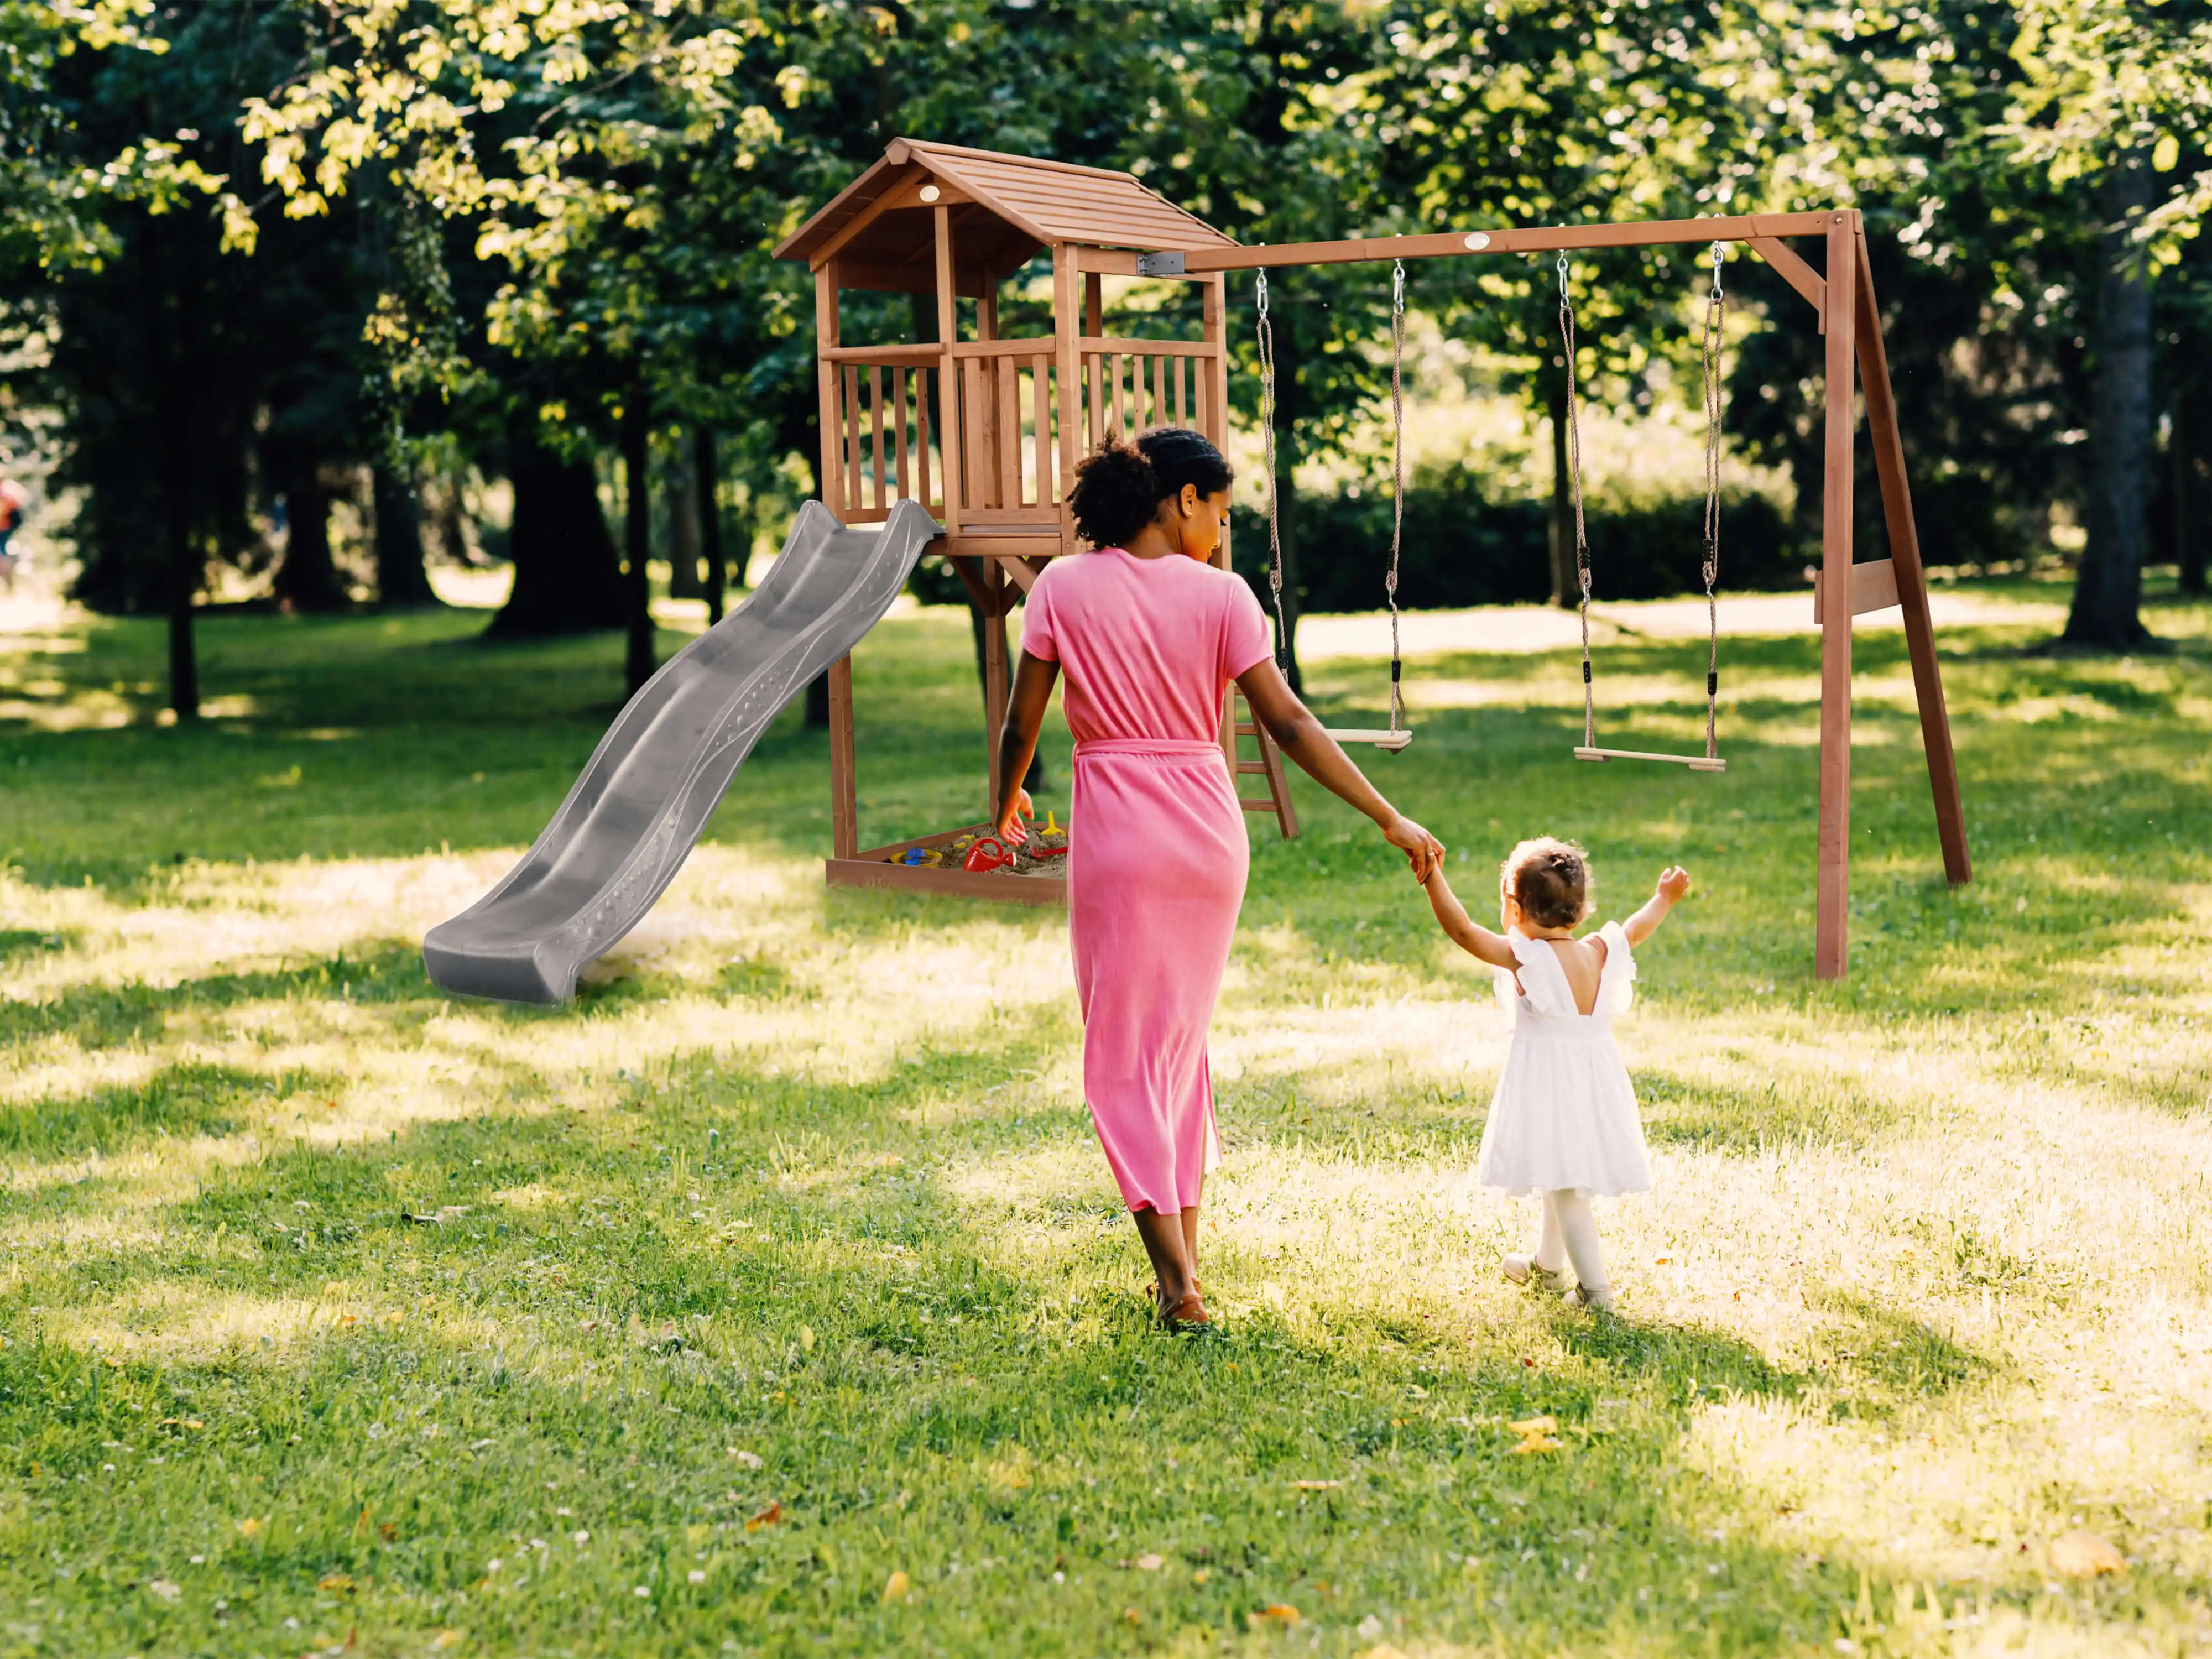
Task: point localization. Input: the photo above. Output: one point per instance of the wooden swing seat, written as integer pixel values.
(1695, 763)
(1393, 741)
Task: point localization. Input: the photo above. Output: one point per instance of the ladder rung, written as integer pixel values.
(1251, 766)
(1248, 731)
(1695, 763)
(1256, 803)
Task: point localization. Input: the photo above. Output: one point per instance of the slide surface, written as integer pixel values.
(651, 785)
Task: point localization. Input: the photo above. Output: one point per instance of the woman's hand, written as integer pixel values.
(1422, 850)
(1016, 808)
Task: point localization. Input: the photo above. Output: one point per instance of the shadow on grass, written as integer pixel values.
(180, 1100)
(1812, 1107)
(99, 1016)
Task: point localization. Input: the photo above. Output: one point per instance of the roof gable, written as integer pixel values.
(875, 221)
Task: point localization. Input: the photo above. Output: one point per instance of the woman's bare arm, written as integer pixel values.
(1299, 735)
(1470, 935)
(1033, 678)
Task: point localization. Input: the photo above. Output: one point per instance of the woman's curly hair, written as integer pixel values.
(1550, 879)
(1119, 486)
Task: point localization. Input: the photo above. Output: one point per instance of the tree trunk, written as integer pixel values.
(679, 491)
(637, 504)
(401, 578)
(308, 580)
(2108, 592)
(1566, 585)
(186, 569)
(566, 578)
(706, 475)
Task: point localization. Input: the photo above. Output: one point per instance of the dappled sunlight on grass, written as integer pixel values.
(798, 1206)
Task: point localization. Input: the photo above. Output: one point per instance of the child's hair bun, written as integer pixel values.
(1550, 879)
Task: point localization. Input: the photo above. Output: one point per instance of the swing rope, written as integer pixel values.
(1397, 478)
(1715, 318)
(1274, 522)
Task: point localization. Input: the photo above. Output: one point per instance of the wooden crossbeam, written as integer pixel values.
(1874, 587)
(1655, 233)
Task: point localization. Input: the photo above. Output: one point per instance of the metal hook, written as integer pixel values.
(1719, 256)
(1397, 285)
(1563, 273)
(1262, 292)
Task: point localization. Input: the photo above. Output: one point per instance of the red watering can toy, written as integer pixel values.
(989, 853)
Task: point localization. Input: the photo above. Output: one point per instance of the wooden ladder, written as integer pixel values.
(1237, 723)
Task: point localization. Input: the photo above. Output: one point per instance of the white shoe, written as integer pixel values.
(1521, 1268)
(1582, 1296)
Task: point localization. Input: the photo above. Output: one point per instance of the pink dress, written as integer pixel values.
(1157, 855)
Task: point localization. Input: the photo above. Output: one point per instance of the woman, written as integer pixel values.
(1150, 635)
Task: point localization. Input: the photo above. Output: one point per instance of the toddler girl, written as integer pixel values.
(1563, 1124)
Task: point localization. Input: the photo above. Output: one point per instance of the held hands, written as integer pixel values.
(1674, 884)
(1011, 811)
(1422, 851)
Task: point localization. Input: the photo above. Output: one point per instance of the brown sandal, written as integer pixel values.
(1187, 1314)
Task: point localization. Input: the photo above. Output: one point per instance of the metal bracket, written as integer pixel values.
(1160, 264)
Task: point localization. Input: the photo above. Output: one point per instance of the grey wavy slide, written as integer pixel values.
(650, 786)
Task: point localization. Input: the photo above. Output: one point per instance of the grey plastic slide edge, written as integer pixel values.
(646, 795)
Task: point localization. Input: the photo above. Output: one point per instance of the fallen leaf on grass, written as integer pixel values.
(1129, 1615)
(896, 1586)
(1281, 1613)
(1315, 1485)
(1531, 1425)
(1143, 1563)
(250, 1527)
(2085, 1555)
(334, 1581)
(767, 1517)
(445, 1639)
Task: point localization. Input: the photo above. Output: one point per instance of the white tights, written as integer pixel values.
(1569, 1234)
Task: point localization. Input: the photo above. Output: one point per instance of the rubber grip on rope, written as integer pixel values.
(1394, 673)
(1712, 685)
(1586, 677)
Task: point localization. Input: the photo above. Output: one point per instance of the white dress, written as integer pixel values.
(1564, 1115)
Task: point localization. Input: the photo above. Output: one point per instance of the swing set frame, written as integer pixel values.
(1005, 422)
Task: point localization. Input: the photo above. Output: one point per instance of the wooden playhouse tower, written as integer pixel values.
(985, 431)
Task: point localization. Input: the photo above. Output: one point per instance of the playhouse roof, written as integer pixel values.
(1006, 208)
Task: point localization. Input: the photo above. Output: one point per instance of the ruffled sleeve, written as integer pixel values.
(1616, 985)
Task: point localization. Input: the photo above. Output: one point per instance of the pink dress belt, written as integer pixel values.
(1177, 746)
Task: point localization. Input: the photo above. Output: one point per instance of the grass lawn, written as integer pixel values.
(775, 1298)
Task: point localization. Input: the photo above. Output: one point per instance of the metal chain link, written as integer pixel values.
(1397, 475)
(1716, 315)
(1575, 488)
(1267, 341)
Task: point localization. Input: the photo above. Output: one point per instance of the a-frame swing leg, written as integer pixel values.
(1833, 895)
(1911, 578)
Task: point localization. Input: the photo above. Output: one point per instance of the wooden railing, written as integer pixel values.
(1009, 441)
(1131, 385)
(885, 396)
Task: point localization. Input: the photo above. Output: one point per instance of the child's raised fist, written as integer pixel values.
(1674, 882)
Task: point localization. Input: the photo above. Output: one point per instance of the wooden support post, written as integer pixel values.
(1882, 432)
(826, 341)
(1213, 372)
(995, 675)
(1832, 904)
(1066, 327)
(844, 799)
(948, 375)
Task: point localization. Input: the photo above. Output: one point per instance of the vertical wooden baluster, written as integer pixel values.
(1178, 390)
(905, 479)
(853, 495)
(1120, 408)
(876, 411)
(1159, 391)
(921, 438)
(1040, 402)
(1010, 431)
